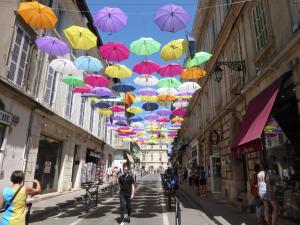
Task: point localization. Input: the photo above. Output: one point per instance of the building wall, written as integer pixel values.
(154, 156)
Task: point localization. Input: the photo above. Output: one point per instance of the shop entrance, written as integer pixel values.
(47, 166)
(215, 165)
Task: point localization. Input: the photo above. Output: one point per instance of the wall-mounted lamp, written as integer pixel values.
(233, 65)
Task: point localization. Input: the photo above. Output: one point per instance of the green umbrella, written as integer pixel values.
(168, 83)
(199, 58)
(144, 46)
(74, 81)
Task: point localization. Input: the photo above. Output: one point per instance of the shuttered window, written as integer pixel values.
(50, 86)
(18, 56)
(81, 115)
(69, 102)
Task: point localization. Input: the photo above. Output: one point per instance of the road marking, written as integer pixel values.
(163, 207)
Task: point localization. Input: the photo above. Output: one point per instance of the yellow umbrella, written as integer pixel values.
(80, 37)
(165, 103)
(37, 15)
(187, 97)
(105, 112)
(118, 71)
(152, 99)
(177, 120)
(193, 73)
(134, 109)
(174, 50)
(166, 97)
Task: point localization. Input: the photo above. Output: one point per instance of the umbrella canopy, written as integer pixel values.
(146, 80)
(171, 18)
(109, 124)
(64, 66)
(119, 118)
(167, 91)
(80, 37)
(164, 98)
(163, 120)
(102, 92)
(176, 124)
(118, 71)
(88, 64)
(134, 109)
(150, 106)
(168, 83)
(37, 15)
(145, 46)
(192, 73)
(73, 81)
(174, 50)
(180, 104)
(189, 87)
(117, 108)
(52, 46)
(129, 98)
(170, 70)
(146, 98)
(82, 89)
(115, 52)
(135, 119)
(199, 58)
(146, 67)
(137, 125)
(121, 123)
(102, 105)
(96, 80)
(125, 128)
(110, 19)
(164, 112)
(105, 112)
(123, 88)
(179, 112)
(147, 92)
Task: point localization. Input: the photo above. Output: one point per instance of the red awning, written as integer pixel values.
(248, 138)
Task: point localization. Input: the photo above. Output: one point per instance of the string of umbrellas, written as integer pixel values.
(89, 79)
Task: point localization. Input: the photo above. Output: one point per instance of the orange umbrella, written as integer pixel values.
(37, 15)
(177, 120)
(129, 98)
(193, 73)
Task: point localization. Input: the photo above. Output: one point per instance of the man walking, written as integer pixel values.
(126, 183)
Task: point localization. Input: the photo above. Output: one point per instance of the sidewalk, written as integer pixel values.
(220, 210)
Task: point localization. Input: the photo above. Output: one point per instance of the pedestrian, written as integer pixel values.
(126, 183)
(13, 200)
(202, 181)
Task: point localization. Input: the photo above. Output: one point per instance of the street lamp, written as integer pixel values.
(233, 65)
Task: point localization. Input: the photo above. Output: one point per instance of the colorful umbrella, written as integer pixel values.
(174, 50)
(167, 98)
(180, 104)
(164, 112)
(163, 120)
(167, 91)
(117, 108)
(88, 64)
(105, 112)
(102, 105)
(168, 83)
(109, 124)
(150, 106)
(52, 46)
(145, 67)
(73, 81)
(110, 19)
(146, 80)
(64, 66)
(146, 98)
(176, 124)
(121, 123)
(37, 15)
(118, 71)
(96, 80)
(129, 98)
(170, 70)
(80, 37)
(82, 89)
(137, 125)
(145, 46)
(193, 73)
(171, 18)
(147, 92)
(199, 58)
(190, 87)
(119, 118)
(123, 88)
(134, 109)
(179, 112)
(135, 119)
(115, 52)
(102, 92)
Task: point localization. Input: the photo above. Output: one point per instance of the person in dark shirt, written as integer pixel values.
(126, 183)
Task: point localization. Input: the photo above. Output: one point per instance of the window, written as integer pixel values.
(69, 102)
(81, 115)
(18, 56)
(260, 25)
(226, 6)
(50, 86)
(99, 126)
(151, 157)
(294, 7)
(91, 119)
(144, 157)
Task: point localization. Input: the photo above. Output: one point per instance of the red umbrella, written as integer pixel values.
(115, 52)
(170, 70)
(82, 89)
(146, 67)
(179, 112)
(122, 128)
(96, 80)
(163, 120)
(117, 108)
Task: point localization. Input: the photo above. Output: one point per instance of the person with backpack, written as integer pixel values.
(13, 200)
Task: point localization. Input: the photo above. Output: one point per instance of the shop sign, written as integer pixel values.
(5, 117)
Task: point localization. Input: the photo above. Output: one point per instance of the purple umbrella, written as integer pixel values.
(52, 46)
(164, 112)
(151, 117)
(102, 92)
(119, 118)
(108, 124)
(110, 19)
(147, 92)
(171, 18)
(176, 124)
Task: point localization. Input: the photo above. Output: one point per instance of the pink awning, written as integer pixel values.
(248, 138)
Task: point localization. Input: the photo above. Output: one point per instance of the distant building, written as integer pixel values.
(153, 157)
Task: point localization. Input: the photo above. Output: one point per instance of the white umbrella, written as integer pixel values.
(146, 80)
(167, 91)
(64, 66)
(189, 87)
(180, 104)
(137, 125)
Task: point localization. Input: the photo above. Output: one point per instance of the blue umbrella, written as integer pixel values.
(121, 123)
(88, 95)
(123, 88)
(150, 106)
(88, 64)
(135, 119)
(102, 105)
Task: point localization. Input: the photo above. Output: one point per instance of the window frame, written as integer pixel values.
(81, 112)
(92, 113)
(53, 86)
(70, 94)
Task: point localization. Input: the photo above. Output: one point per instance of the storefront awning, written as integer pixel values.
(129, 157)
(248, 138)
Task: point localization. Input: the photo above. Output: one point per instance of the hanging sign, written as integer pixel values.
(5, 117)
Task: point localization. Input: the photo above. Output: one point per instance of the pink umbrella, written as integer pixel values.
(127, 133)
(82, 89)
(96, 80)
(117, 108)
(163, 120)
(170, 70)
(115, 52)
(164, 112)
(122, 128)
(146, 67)
(179, 112)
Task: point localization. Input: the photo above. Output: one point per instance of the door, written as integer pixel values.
(215, 165)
